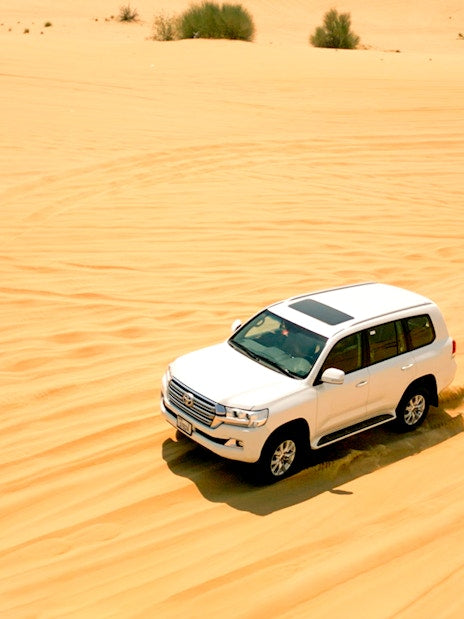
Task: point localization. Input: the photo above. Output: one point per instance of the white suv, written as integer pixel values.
(310, 371)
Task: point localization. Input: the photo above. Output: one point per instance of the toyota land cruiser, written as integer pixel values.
(309, 371)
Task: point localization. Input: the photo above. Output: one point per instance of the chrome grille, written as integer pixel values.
(201, 408)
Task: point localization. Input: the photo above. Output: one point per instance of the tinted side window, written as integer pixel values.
(346, 354)
(419, 330)
(386, 341)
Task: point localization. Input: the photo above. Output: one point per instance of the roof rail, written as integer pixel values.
(395, 311)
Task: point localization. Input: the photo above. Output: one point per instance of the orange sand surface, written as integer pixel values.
(150, 193)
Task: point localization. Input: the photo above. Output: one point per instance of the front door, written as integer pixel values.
(339, 406)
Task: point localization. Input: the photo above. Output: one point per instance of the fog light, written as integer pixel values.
(233, 442)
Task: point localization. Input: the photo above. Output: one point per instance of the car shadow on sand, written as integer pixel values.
(223, 481)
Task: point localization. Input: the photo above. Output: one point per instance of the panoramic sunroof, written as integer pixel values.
(325, 313)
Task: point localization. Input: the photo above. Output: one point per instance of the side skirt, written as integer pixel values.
(333, 437)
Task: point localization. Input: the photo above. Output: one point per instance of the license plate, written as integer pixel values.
(184, 425)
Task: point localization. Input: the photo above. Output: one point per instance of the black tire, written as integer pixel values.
(281, 457)
(412, 409)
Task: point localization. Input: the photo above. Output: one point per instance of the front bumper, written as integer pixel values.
(232, 442)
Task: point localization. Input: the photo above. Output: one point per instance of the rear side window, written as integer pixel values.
(419, 330)
(386, 341)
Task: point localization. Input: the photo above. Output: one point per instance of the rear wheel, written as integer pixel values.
(281, 457)
(412, 409)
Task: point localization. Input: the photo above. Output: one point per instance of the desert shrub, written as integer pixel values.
(237, 22)
(212, 21)
(47, 24)
(165, 28)
(336, 32)
(126, 13)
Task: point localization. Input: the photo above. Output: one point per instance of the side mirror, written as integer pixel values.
(332, 376)
(235, 325)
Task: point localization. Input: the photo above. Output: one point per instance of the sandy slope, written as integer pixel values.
(150, 193)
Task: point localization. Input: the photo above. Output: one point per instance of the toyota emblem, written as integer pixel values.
(188, 399)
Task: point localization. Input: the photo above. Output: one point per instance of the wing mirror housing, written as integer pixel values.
(332, 376)
(235, 325)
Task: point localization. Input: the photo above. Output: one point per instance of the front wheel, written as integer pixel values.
(412, 409)
(280, 458)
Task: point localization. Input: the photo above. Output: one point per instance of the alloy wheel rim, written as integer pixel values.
(283, 457)
(414, 409)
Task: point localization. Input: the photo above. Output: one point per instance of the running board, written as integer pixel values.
(354, 429)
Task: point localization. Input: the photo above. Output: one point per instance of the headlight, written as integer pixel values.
(241, 417)
(166, 379)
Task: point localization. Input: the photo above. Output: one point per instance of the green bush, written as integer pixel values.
(238, 23)
(336, 32)
(212, 21)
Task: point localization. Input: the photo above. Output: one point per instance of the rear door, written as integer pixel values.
(391, 367)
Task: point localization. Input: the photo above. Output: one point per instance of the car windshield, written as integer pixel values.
(279, 344)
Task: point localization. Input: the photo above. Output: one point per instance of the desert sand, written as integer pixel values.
(151, 193)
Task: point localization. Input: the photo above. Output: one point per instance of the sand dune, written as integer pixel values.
(150, 194)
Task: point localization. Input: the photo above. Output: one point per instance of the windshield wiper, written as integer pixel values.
(244, 350)
(276, 366)
(262, 360)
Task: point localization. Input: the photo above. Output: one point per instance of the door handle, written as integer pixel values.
(406, 367)
(362, 383)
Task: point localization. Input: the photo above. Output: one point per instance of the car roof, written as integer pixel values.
(330, 311)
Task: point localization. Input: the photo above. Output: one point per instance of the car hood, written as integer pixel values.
(231, 378)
